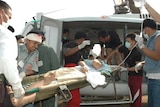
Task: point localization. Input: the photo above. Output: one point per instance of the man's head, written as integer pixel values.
(103, 36)
(5, 12)
(130, 40)
(33, 39)
(65, 33)
(80, 36)
(149, 27)
(149, 23)
(40, 33)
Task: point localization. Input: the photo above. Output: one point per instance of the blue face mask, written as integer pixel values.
(127, 45)
(65, 38)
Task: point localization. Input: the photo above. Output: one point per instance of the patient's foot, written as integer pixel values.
(49, 77)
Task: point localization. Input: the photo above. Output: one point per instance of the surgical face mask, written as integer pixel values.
(3, 22)
(146, 36)
(65, 38)
(127, 45)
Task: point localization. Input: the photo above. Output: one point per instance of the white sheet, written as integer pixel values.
(94, 77)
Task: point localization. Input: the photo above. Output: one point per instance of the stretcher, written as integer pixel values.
(70, 77)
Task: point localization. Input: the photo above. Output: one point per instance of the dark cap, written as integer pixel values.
(80, 34)
(149, 23)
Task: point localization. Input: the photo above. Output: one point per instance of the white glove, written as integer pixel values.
(139, 3)
(139, 66)
(140, 42)
(83, 44)
(18, 93)
(22, 75)
(123, 68)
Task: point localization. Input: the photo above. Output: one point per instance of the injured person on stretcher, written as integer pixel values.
(64, 74)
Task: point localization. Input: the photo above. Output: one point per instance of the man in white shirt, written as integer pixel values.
(8, 63)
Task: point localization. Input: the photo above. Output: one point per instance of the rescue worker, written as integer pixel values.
(8, 63)
(28, 56)
(72, 56)
(65, 36)
(134, 76)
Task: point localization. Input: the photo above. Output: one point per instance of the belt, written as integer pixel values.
(2, 78)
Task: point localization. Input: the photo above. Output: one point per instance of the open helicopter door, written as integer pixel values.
(53, 33)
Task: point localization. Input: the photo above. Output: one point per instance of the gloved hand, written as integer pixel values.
(22, 75)
(140, 42)
(83, 44)
(139, 3)
(139, 66)
(18, 93)
(123, 68)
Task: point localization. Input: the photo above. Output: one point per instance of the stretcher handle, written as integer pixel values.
(31, 91)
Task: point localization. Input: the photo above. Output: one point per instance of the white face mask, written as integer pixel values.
(4, 23)
(146, 36)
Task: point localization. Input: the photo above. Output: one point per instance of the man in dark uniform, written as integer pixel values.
(72, 56)
(109, 41)
(134, 77)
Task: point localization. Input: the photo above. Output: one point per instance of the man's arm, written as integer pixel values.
(32, 64)
(70, 51)
(12, 76)
(155, 15)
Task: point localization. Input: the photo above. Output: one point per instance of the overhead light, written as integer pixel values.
(121, 6)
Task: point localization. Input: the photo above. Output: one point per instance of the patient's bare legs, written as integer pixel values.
(48, 77)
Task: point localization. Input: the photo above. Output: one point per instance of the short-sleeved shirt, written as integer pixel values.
(27, 61)
(75, 58)
(132, 59)
(113, 43)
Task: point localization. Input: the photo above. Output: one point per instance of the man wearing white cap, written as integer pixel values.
(28, 55)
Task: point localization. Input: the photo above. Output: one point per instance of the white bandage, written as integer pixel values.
(34, 37)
